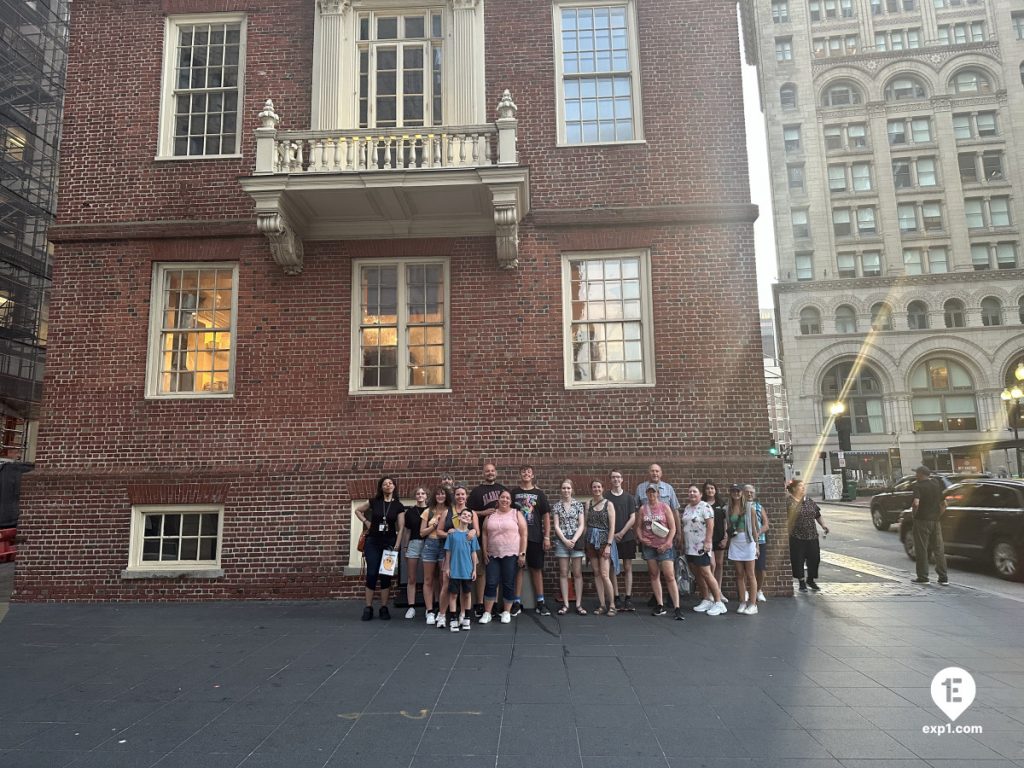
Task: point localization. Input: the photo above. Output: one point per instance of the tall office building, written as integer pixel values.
(895, 132)
(33, 56)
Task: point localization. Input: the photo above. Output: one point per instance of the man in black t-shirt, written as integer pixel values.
(625, 537)
(483, 500)
(532, 503)
(928, 507)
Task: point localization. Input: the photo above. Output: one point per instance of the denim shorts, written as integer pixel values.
(650, 553)
(433, 551)
(563, 551)
(414, 548)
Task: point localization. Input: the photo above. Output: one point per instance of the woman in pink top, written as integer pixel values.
(656, 516)
(504, 547)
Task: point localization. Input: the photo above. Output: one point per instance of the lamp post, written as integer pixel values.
(842, 422)
(1015, 396)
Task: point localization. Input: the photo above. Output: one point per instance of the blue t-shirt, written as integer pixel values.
(462, 549)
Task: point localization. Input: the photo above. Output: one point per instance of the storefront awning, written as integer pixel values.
(991, 445)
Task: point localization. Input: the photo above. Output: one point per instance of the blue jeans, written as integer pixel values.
(501, 569)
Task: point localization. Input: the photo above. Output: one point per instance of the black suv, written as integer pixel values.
(887, 507)
(984, 520)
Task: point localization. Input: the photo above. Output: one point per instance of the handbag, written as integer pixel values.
(388, 562)
(361, 544)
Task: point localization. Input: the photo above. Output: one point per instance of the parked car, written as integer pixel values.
(984, 520)
(887, 507)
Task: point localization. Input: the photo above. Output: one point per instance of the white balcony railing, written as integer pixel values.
(385, 149)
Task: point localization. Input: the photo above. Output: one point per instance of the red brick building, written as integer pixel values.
(461, 229)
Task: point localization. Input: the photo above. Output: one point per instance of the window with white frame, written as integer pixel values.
(845, 137)
(804, 262)
(964, 32)
(175, 537)
(943, 396)
(914, 172)
(909, 130)
(985, 166)
(994, 256)
(921, 261)
(855, 177)
(841, 94)
(843, 220)
(898, 39)
(974, 125)
(201, 98)
(607, 316)
(921, 216)
(193, 312)
(859, 264)
(982, 212)
(835, 45)
(400, 325)
(598, 82)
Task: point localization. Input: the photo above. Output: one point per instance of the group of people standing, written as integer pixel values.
(471, 544)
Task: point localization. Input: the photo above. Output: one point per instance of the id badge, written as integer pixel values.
(382, 527)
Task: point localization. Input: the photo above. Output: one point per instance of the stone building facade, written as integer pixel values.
(302, 244)
(894, 135)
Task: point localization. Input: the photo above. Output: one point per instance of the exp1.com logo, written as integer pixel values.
(953, 691)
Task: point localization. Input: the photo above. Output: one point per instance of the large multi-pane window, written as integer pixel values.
(607, 314)
(982, 212)
(192, 329)
(943, 397)
(400, 325)
(898, 39)
(845, 136)
(597, 64)
(400, 68)
(202, 90)
(905, 88)
(910, 172)
(970, 81)
(835, 45)
(859, 263)
(920, 261)
(820, 10)
(841, 94)
(783, 48)
(855, 177)
(909, 130)
(964, 32)
(984, 166)
(974, 125)
(860, 390)
(810, 321)
(844, 221)
(917, 316)
(175, 538)
(994, 255)
(922, 216)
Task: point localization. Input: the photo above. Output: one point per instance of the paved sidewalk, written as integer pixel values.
(817, 681)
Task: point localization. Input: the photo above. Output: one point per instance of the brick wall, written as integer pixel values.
(291, 450)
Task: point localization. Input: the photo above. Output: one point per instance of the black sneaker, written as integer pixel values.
(803, 585)
(478, 609)
(627, 604)
(618, 602)
(919, 581)
(517, 608)
(813, 585)
(659, 610)
(367, 613)
(542, 608)
(385, 614)
(652, 603)
(943, 580)
(677, 614)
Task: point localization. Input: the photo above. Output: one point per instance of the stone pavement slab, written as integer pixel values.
(822, 680)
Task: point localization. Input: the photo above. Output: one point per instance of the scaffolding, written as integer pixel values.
(33, 60)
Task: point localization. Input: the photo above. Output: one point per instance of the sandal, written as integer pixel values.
(600, 611)
(612, 611)
(581, 611)
(563, 610)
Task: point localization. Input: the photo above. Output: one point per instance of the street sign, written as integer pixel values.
(842, 459)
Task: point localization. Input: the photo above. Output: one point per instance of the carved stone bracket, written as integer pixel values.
(328, 7)
(506, 225)
(285, 245)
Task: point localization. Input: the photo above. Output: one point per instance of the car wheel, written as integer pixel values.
(1006, 560)
(908, 545)
(878, 520)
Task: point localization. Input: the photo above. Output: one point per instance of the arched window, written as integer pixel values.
(991, 311)
(955, 315)
(917, 316)
(810, 321)
(846, 319)
(881, 317)
(863, 399)
(943, 397)
(970, 81)
(841, 94)
(904, 88)
(787, 96)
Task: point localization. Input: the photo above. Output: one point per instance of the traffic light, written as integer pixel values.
(843, 429)
(773, 449)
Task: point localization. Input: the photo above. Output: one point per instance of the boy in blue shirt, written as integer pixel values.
(460, 563)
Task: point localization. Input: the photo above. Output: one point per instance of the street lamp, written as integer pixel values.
(1015, 396)
(843, 428)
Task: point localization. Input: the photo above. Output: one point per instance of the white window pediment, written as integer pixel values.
(386, 64)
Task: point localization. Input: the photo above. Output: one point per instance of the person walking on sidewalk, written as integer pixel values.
(928, 506)
(804, 518)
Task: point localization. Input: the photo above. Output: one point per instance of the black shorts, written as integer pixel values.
(455, 586)
(762, 557)
(535, 555)
(627, 549)
(704, 559)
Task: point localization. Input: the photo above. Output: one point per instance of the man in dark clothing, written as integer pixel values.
(928, 507)
(533, 504)
(483, 500)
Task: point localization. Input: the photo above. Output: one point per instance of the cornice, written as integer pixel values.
(850, 284)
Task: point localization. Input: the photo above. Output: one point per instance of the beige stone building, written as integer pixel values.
(896, 142)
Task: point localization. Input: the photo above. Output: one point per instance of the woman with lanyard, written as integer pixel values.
(601, 551)
(383, 522)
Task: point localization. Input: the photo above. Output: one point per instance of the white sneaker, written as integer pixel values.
(411, 613)
(506, 617)
(717, 609)
(485, 619)
(466, 623)
(455, 625)
(751, 610)
(441, 621)
(704, 605)
(725, 599)
(760, 597)
(742, 608)
(431, 618)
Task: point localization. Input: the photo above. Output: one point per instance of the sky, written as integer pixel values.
(760, 188)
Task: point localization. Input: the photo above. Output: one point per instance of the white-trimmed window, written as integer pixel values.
(597, 74)
(201, 98)
(910, 130)
(898, 39)
(910, 172)
(994, 256)
(859, 263)
(982, 212)
(193, 312)
(964, 32)
(974, 125)
(804, 262)
(845, 136)
(854, 177)
(919, 261)
(400, 325)
(607, 319)
(175, 538)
